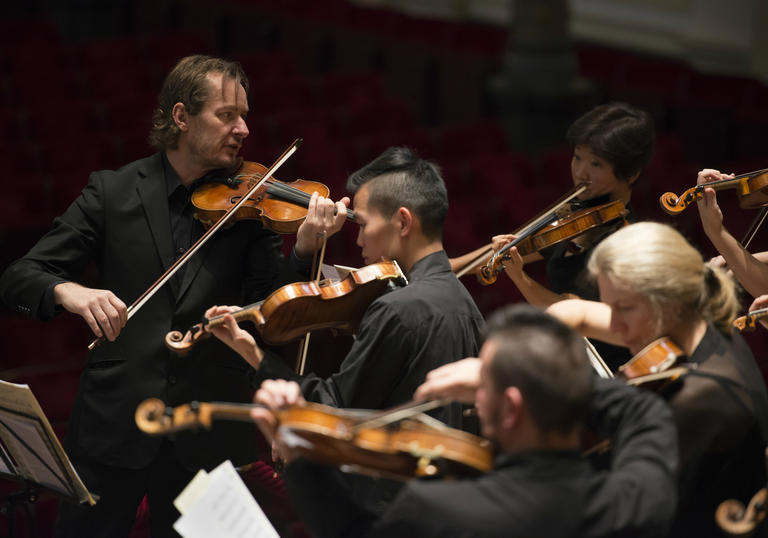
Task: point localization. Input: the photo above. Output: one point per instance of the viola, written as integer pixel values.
(748, 322)
(751, 188)
(410, 448)
(659, 361)
(571, 227)
(280, 206)
(295, 309)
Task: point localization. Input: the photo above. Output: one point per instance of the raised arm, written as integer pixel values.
(750, 271)
(590, 318)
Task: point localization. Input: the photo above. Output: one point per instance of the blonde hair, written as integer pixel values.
(657, 262)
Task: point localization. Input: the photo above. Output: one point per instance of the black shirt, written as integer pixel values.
(721, 410)
(403, 335)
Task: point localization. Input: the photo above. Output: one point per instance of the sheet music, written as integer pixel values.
(220, 505)
(29, 443)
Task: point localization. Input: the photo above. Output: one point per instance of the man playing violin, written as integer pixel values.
(750, 270)
(133, 224)
(400, 203)
(533, 388)
(662, 287)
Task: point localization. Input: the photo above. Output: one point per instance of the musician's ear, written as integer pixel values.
(405, 220)
(512, 407)
(180, 116)
(633, 178)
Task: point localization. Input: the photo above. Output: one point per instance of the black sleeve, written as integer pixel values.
(60, 255)
(372, 367)
(639, 496)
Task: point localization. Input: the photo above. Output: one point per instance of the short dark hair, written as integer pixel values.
(399, 178)
(619, 133)
(186, 84)
(546, 360)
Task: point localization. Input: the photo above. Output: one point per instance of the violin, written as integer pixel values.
(411, 448)
(652, 368)
(570, 227)
(748, 322)
(654, 363)
(281, 207)
(295, 309)
(751, 188)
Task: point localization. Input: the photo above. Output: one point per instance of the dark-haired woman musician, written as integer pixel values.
(612, 145)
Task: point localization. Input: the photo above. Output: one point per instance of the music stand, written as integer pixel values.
(31, 453)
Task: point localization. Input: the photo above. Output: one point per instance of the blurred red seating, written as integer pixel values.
(468, 139)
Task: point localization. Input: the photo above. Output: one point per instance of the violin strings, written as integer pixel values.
(290, 194)
(399, 413)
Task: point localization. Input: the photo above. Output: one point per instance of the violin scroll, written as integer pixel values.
(748, 322)
(744, 323)
(674, 204)
(488, 273)
(181, 343)
(153, 417)
(736, 520)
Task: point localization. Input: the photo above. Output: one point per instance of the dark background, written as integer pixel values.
(79, 79)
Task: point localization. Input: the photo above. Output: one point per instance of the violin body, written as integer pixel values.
(295, 309)
(751, 188)
(280, 206)
(410, 448)
(574, 225)
(570, 227)
(659, 361)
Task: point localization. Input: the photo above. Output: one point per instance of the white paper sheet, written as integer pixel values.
(225, 509)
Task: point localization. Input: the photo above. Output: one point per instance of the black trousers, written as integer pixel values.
(120, 492)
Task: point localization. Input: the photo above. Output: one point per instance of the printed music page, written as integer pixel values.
(219, 504)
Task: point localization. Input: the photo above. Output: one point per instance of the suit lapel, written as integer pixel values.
(193, 267)
(153, 192)
(154, 196)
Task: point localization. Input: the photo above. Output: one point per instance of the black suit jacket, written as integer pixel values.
(121, 222)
